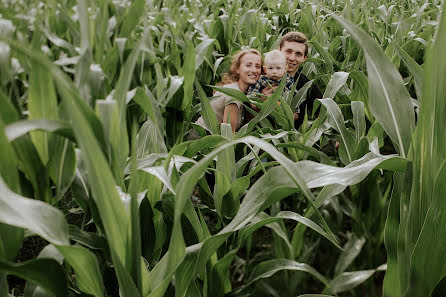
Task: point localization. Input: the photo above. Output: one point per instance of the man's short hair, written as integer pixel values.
(295, 36)
(275, 55)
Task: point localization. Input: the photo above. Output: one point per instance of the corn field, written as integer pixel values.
(101, 193)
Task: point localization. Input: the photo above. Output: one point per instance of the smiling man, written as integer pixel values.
(295, 47)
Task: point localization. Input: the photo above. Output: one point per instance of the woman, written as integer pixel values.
(245, 69)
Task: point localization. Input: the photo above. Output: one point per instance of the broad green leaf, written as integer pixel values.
(430, 246)
(301, 95)
(323, 175)
(86, 267)
(391, 285)
(45, 273)
(388, 98)
(336, 120)
(42, 104)
(360, 92)
(8, 112)
(19, 128)
(37, 216)
(8, 161)
(226, 170)
(132, 18)
(83, 66)
(188, 71)
(162, 273)
(415, 69)
(206, 111)
(337, 80)
(428, 164)
(268, 268)
(358, 119)
(351, 250)
(29, 162)
(324, 53)
(348, 280)
(62, 164)
(103, 188)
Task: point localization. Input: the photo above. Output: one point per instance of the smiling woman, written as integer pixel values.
(244, 71)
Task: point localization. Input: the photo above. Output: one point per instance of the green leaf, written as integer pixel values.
(45, 273)
(207, 112)
(351, 250)
(62, 165)
(42, 104)
(132, 18)
(348, 280)
(415, 69)
(268, 268)
(389, 100)
(337, 80)
(358, 119)
(336, 120)
(418, 209)
(19, 128)
(86, 267)
(8, 113)
(103, 187)
(8, 161)
(188, 71)
(391, 285)
(328, 59)
(34, 215)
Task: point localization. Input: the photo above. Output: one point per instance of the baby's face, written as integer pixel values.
(275, 69)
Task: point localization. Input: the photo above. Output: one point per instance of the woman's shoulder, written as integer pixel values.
(233, 85)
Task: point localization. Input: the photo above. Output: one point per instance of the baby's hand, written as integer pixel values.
(268, 91)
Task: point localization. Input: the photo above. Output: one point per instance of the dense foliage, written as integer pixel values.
(97, 98)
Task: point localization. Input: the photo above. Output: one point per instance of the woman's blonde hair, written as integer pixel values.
(232, 76)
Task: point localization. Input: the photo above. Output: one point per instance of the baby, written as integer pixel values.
(275, 68)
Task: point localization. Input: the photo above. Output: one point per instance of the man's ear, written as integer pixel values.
(305, 58)
(264, 69)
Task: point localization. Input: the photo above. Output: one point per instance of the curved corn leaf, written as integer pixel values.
(415, 69)
(19, 128)
(389, 100)
(53, 280)
(270, 267)
(336, 120)
(348, 280)
(337, 80)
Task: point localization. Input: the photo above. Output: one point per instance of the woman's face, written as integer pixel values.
(249, 70)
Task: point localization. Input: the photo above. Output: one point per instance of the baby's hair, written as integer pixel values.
(275, 55)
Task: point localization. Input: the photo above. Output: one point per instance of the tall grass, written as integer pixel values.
(98, 97)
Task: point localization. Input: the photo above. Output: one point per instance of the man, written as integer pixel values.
(295, 47)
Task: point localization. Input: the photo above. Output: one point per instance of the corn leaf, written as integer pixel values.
(389, 100)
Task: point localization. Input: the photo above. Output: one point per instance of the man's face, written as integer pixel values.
(295, 55)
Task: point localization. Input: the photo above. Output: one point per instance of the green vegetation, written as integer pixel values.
(97, 98)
